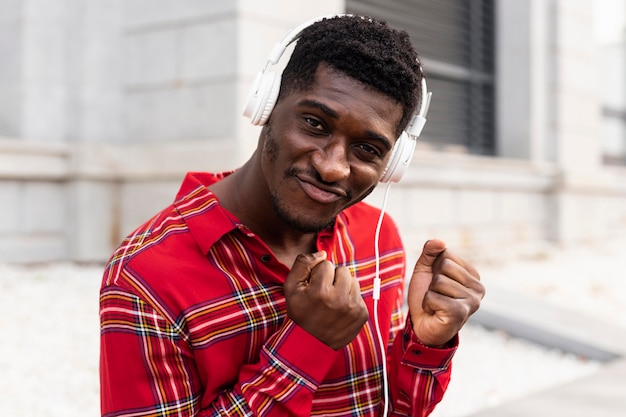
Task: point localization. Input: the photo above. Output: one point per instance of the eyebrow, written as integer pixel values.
(332, 113)
(321, 106)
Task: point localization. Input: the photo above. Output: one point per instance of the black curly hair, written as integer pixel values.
(363, 48)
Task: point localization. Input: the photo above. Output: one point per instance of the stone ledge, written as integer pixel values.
(552, 326)
(28, 160)
(599, 395)
(433, 168)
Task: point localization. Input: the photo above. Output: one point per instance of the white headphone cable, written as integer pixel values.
(376, 297)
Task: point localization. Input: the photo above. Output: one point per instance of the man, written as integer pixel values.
(253, 293)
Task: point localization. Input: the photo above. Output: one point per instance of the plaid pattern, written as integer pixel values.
(193, 323)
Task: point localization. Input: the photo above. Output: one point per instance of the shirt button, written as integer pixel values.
(266, 258)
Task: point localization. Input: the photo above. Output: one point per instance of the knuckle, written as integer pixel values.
(460, 310)
(342, 269)
(447, 266)
(477, 275)
(363, 317)
(482, 290)
(475, 303)
(360, 314)
(436, 280)
(478, 289)
(445, 263)
(304, 258)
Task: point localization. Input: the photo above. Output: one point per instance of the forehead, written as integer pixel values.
(344, 95)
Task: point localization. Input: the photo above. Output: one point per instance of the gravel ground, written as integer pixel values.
(49, 328)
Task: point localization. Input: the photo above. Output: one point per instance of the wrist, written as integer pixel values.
(430, 342)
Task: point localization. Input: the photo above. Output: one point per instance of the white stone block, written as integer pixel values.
(575, 23)
(209, 50)
(140, 201)
(205, 111)
(43, 208)
(432, 206)
(45, 48)
(151, 12)
(10, 108)
(47, 10)
(612, 84)
(10, 65)
(44, 115)
(93, 231)
(102, 61)
(12, 10)
(258, 37)
(24, 248)
(103, 12)
(10, 207)
(295, 11)
(474, 206)
(519, 207)
(152, 57)
(22, 159)
(102, 118)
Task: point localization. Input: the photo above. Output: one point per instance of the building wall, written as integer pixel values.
(107, 103)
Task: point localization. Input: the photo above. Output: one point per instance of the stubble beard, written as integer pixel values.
(281, 209)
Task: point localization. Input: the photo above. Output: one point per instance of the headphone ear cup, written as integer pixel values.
(262, 97)
(401, 156)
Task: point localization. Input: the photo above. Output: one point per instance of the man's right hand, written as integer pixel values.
(324, 300)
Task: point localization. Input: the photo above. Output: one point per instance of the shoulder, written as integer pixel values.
(142, 241)
(192, 223)
(364, 212)
(363, 217)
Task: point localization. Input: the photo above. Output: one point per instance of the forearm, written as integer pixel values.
(146, 365)
(419, 375)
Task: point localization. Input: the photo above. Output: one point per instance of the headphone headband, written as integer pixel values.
(264, 91)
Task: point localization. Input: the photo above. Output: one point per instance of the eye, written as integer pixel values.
(368, 151)
(314, 123)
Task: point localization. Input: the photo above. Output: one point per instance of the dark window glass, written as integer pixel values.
(455, 40)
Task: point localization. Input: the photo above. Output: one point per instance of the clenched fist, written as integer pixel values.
(324, 300)
(445, 290)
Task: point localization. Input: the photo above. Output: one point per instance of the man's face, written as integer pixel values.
(325, 149)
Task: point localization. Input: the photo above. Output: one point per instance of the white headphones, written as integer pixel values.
(264, 93)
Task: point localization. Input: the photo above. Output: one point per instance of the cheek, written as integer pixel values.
(364, 181)
(270, 148)
(365, 190)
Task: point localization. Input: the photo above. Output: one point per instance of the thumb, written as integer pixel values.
(303, 265)
(432, 249)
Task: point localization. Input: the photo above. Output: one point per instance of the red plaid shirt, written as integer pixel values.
(193, 323)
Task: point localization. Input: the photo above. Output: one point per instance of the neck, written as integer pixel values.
(248, 198)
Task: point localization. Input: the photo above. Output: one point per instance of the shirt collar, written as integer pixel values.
(195, 202)
(199, 207)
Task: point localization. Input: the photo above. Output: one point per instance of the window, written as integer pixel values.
(610, 38)
(455, 40)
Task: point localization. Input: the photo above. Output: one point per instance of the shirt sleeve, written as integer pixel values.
(147, 367)
(418, 375)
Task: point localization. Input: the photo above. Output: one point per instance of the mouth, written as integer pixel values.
(321, 193)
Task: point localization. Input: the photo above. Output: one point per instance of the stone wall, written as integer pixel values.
(106, 104)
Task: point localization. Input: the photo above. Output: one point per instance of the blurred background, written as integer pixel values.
(105, 104)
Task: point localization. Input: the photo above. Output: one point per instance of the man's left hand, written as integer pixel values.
(445, 290)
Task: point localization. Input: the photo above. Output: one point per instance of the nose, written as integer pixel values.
(331, 162)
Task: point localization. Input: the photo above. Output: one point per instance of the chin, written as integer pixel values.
(314, 228)
(300, 223)
(305, 225)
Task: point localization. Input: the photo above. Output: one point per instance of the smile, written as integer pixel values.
(321, 193)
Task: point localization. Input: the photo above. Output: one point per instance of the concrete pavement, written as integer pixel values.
(602, 394)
